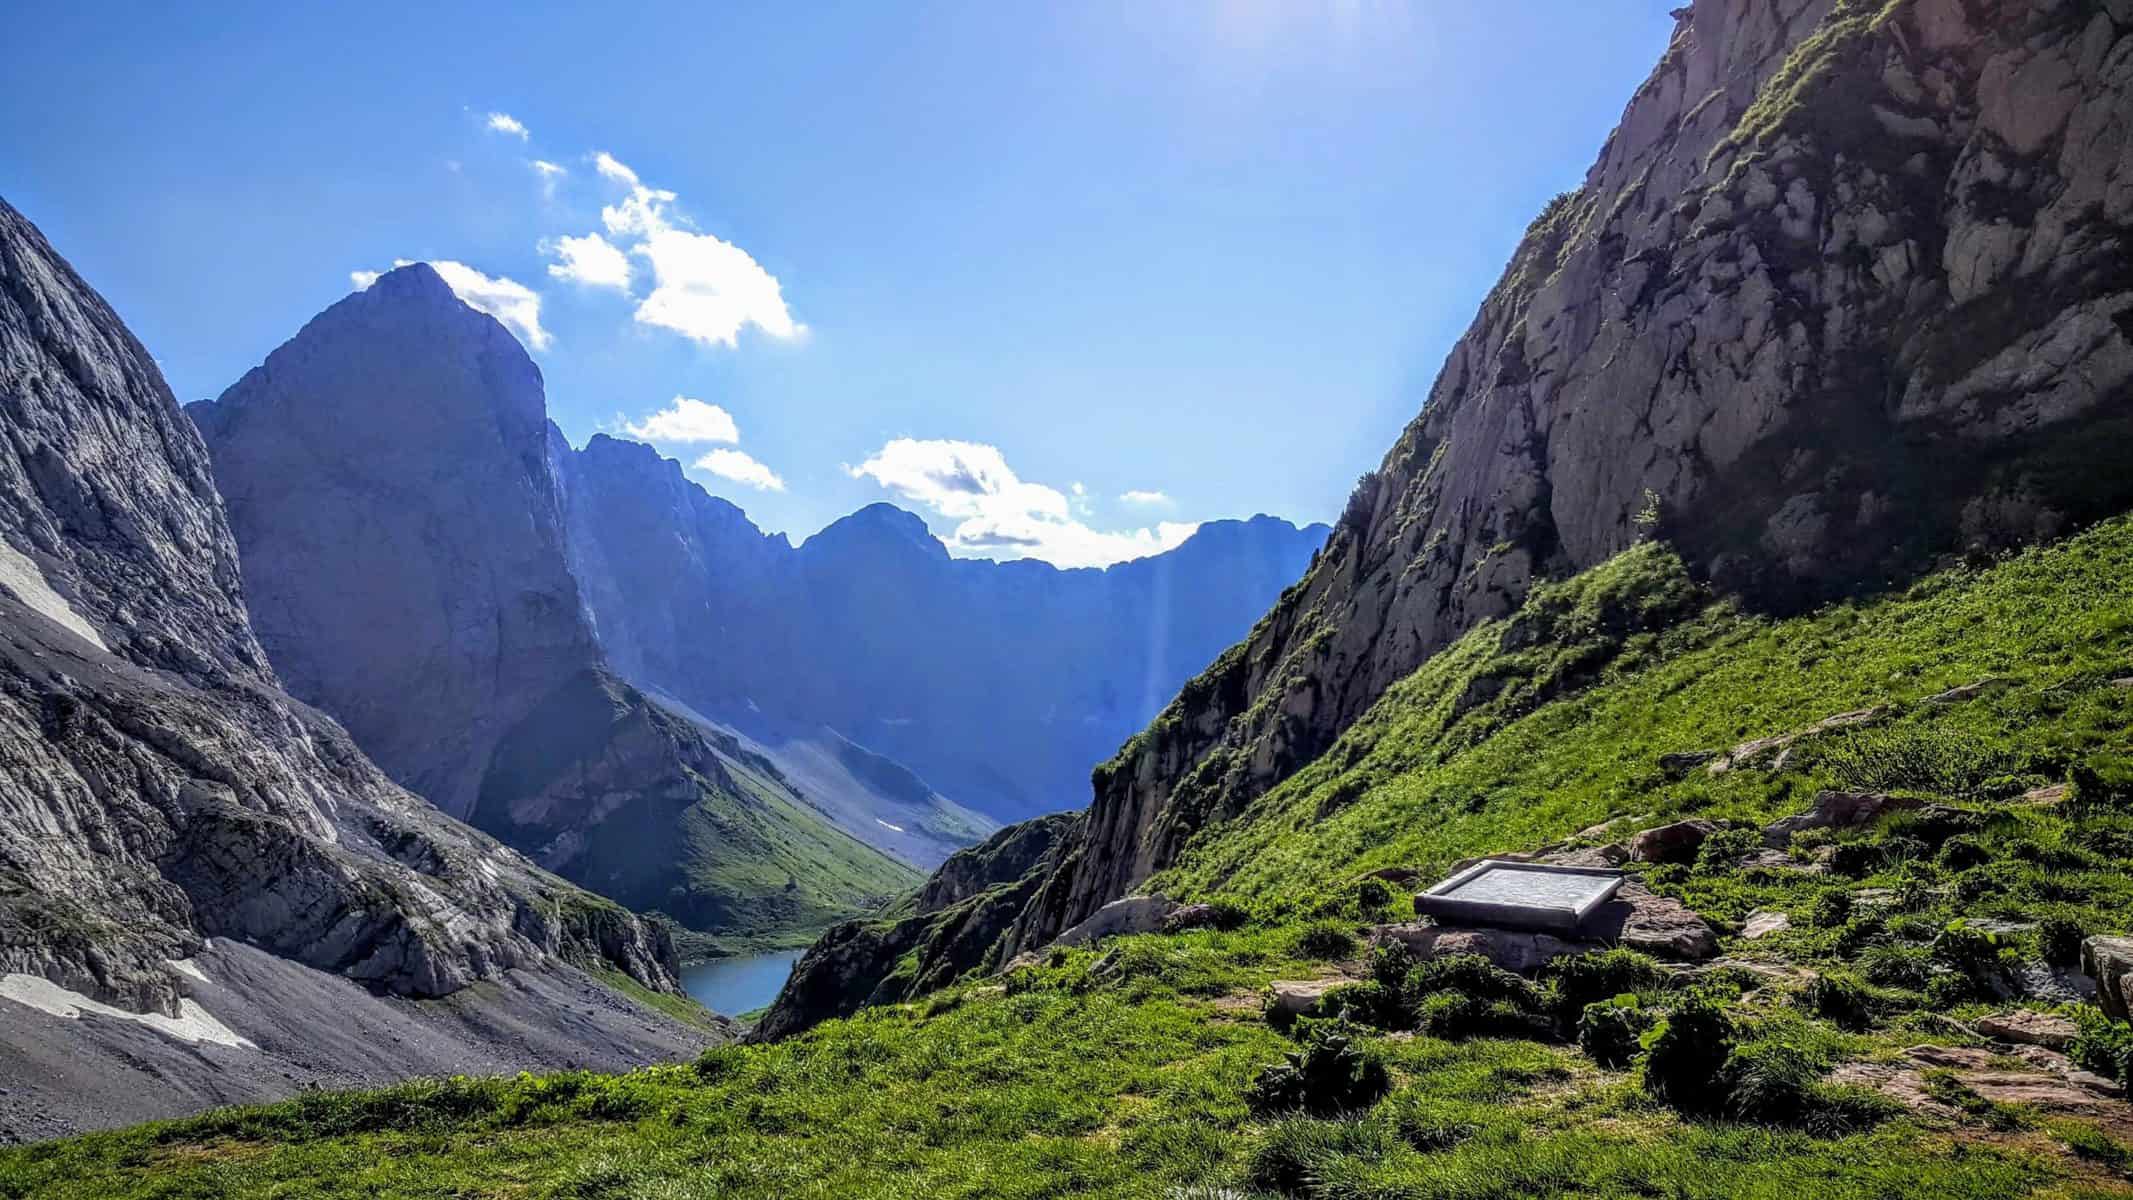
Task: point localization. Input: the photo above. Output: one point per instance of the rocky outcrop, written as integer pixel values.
(1836, 810)
(2109, 961)
(389, 478)
(159, 790)
(957, 926)
(1000, 684)
(1847, 289)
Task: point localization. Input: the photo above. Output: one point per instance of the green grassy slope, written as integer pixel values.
(1132, 1068)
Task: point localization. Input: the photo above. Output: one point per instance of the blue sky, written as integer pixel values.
(1199, 259)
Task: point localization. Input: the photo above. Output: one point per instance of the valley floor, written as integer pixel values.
(1847, 1053)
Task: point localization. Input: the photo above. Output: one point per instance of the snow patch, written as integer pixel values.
(886, 825)
(20, 576)
(186, 966)
(192, 1024)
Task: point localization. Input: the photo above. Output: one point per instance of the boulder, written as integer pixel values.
(1134, 914)
(1673, 843)
(1295, 997)
(1520, 950)
(2029, 1028)
(1657, 925)
(1835, 810)
(2123, 684)
(1613, 854)
(1763, 924)
(2109, 961)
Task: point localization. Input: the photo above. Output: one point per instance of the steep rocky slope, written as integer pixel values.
(999, 684)
(400, 525)
(1850, 288)
(158, 790)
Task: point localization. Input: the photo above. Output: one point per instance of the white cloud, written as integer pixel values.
(1001, 515)
(687, 420)
(509, 301)
(608, 165)
(742, 468)
(505, 123)
(591, 260)
(551, 174)
(1137, 496)
(703, 288)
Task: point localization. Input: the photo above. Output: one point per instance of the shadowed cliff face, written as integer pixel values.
(159, 790)
(1000, 684)
(386, 477)
(1849, 288)
(401, 525)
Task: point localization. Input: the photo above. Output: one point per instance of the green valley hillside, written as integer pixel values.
(1855, 1047)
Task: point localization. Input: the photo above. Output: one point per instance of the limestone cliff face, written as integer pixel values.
(395, 498)
(386, 476)
(159, 790)
(1849, 288)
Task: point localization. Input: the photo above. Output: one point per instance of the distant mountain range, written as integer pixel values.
(1000, 684)
(585, 654)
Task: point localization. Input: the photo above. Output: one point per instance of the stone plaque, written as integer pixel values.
(1520, 895)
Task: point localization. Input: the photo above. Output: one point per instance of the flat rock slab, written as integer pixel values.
(1295, 997)
(1134, 914)
(1763, 924)
(2030, 1028)
(2046, 1081)
(1835, 810)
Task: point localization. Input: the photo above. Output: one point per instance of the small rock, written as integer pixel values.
(2109, 961)
(1763, 924)
(2045, 796)
(1509, 856)
(1660, 926)
(1835, 810)
(1396, 876)
(2030, 1028)
(2125, 684)
(1295, 997)
(1673, 843)
(1967, 692)
(1134, 914)
(1593, 833)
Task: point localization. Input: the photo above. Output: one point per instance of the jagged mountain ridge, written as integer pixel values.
(999, 684)
(160, 791)
(1850, 287)
(401, 532)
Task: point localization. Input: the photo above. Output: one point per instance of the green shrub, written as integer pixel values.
(2102, 783)
(1325, 940)
(1964, 851)
(1685, 1055)
(1841, 999)
(2059, 938)
(1429, 1125)
(1328, 1074)
(1863, 930)
(1389, 964)
(1832, 908)
(1973, 957)
(1584, 979)
(1948, 762)
(2103, 1045)
(1450, 1014)
(1724, 849)
(1293, 1153)
(1227, 914)
(1897, 966)
(1609, 1031)
(1856, 860)
(1368, 1003)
